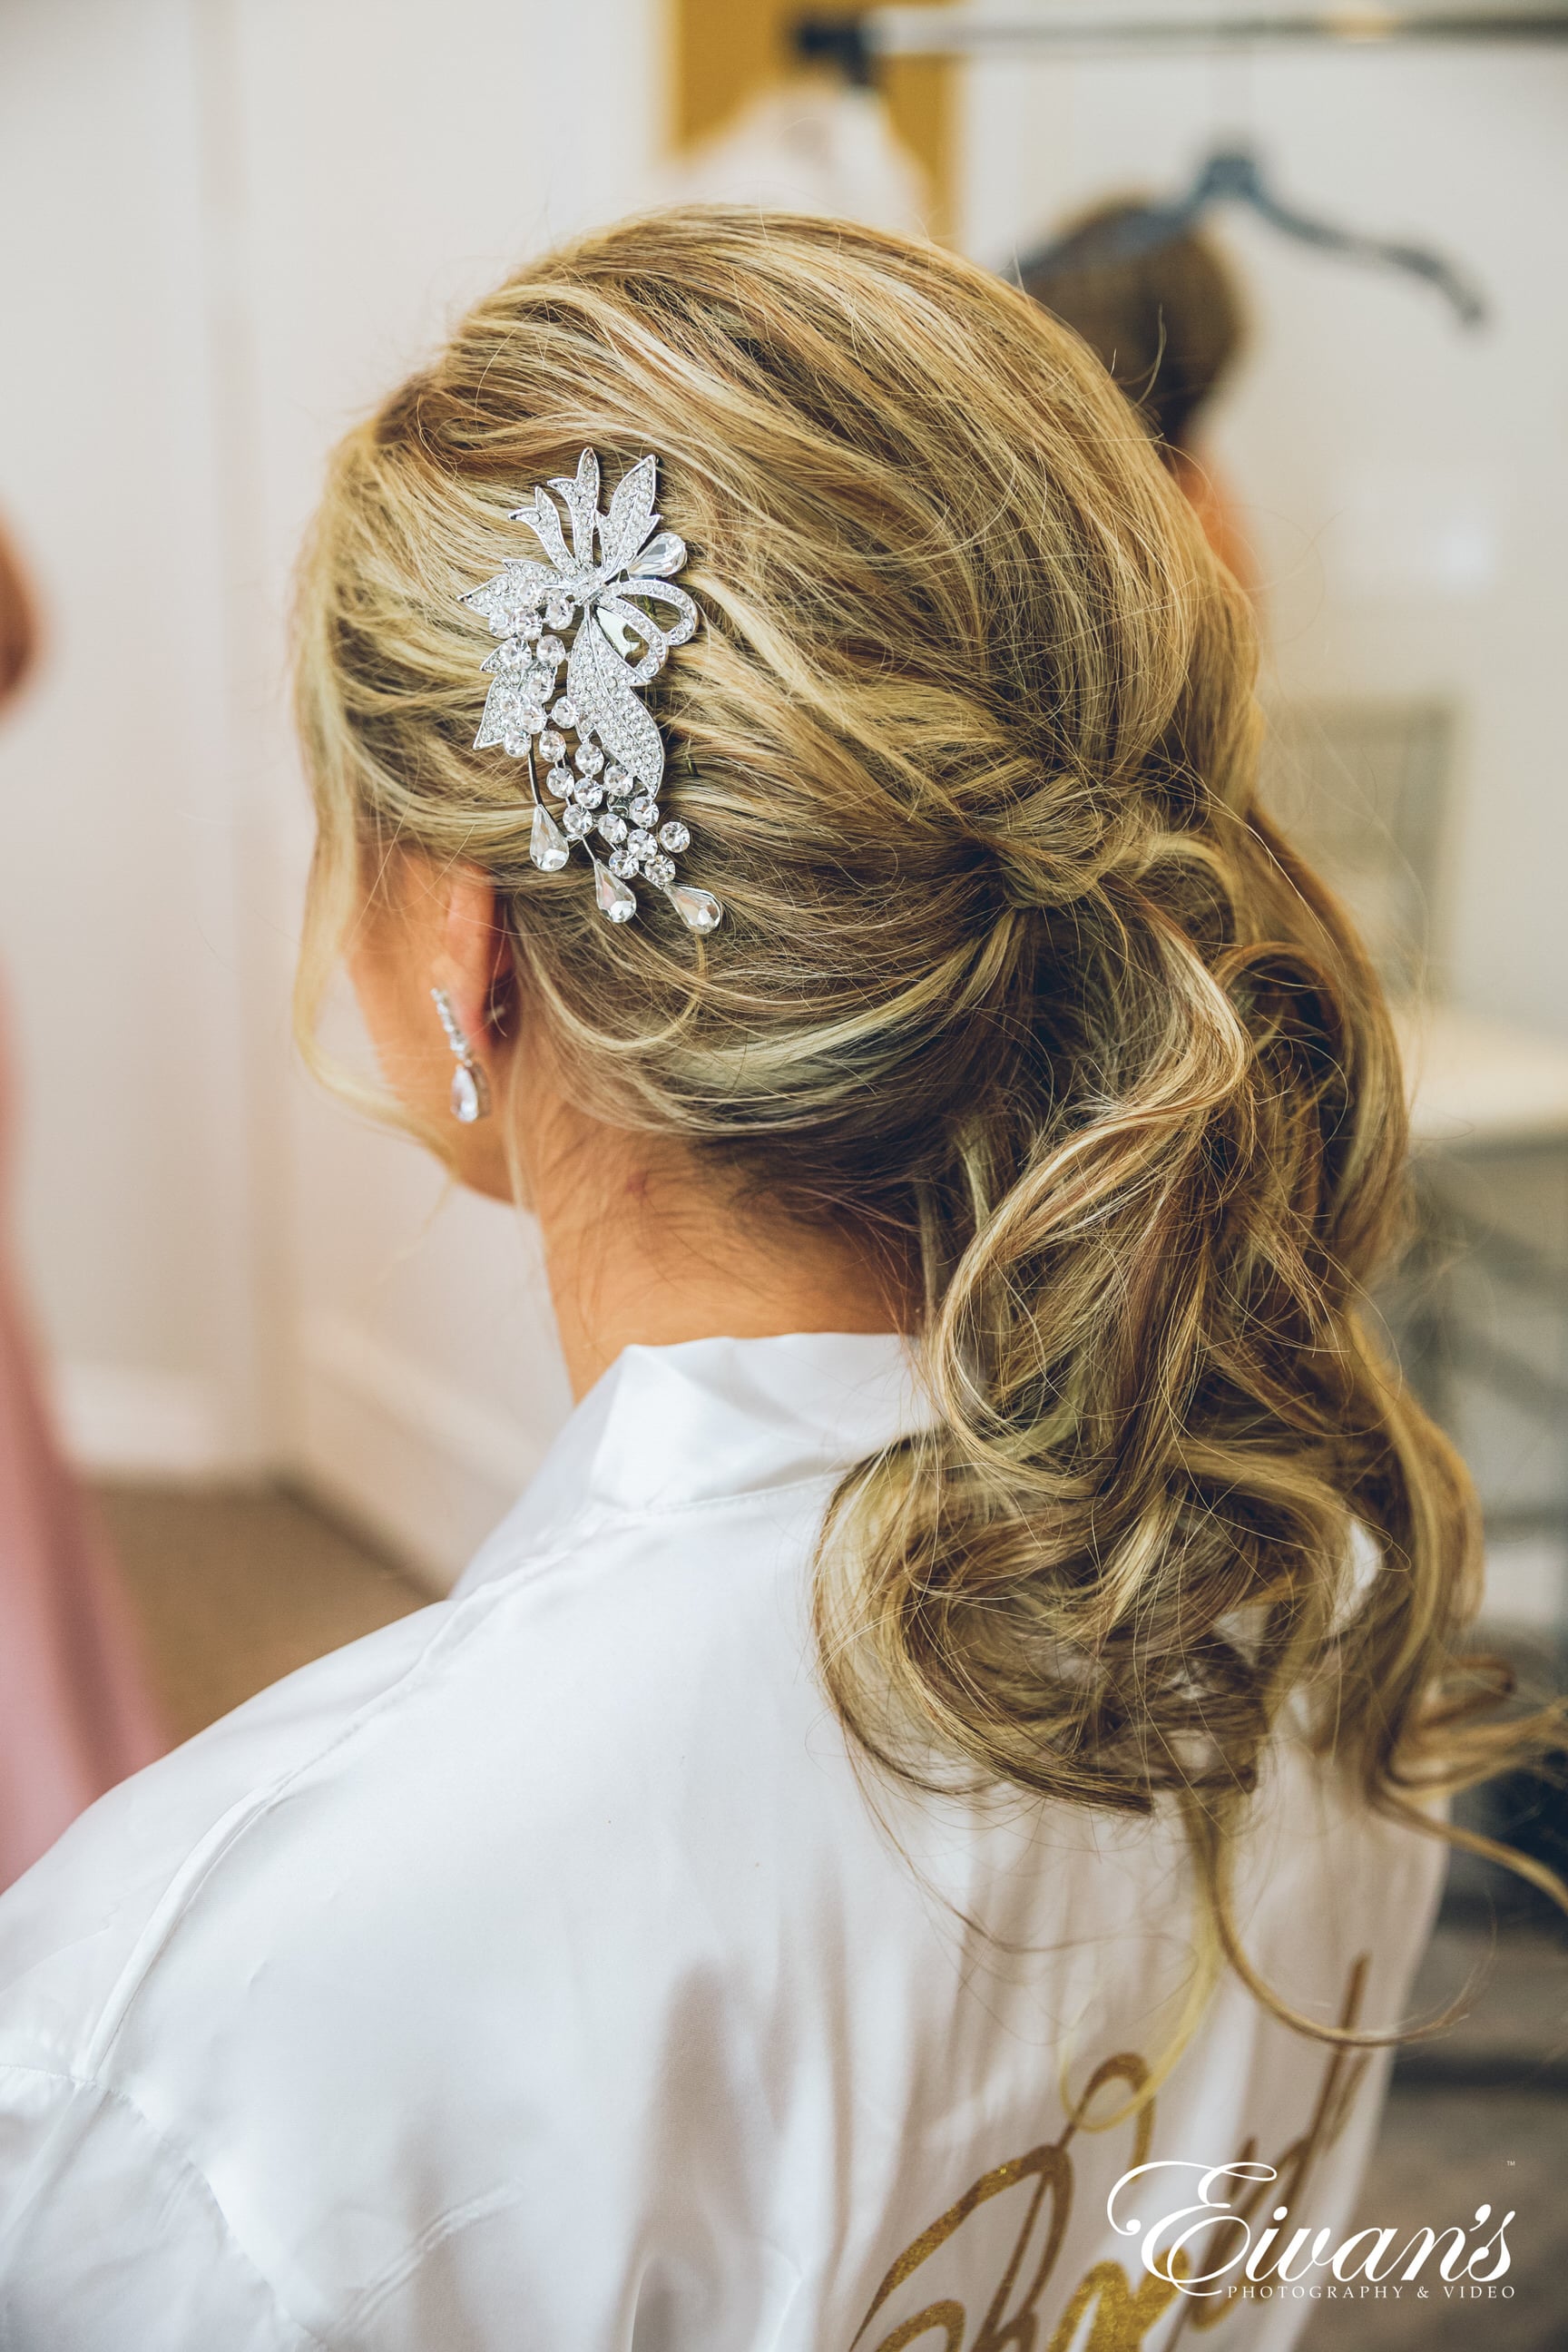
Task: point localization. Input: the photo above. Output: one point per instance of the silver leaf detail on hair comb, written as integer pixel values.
(606, 782)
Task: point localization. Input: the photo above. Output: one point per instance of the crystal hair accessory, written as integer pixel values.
(605, 783)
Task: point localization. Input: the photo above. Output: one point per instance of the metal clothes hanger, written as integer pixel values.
(859, 41)
(1233, 176)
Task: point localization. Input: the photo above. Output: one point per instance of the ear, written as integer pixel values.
(471, 960)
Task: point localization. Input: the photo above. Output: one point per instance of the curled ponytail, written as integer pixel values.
(1016, 979)
(1131, 1535)
(1163, 1408)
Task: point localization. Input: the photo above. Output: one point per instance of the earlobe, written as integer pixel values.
(471, 985)
(473, 958)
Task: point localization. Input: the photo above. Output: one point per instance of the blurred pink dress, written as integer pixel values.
(75, 1714)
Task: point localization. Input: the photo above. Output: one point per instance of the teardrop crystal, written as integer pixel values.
(468, 1097)
(615, 900)
(546, 843)
(662, 556)
(698, 909)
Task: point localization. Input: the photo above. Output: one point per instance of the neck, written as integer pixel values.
(644, 1248)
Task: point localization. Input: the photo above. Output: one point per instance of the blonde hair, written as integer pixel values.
(1016, 977)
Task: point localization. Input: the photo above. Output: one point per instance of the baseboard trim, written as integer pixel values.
(425, 1469)
(126, 1421)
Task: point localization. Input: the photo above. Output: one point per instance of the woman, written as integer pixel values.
(931, 1741)
(1170, 322)
(74, 1713)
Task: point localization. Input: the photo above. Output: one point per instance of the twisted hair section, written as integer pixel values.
(1017, 978)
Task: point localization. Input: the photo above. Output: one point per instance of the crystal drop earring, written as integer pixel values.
(470, 1093)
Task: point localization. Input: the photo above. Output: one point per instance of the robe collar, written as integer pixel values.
(672, 1429)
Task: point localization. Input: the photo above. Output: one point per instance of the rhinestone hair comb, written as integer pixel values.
(607, 782)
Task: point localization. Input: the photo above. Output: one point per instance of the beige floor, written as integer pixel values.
(233, 1590)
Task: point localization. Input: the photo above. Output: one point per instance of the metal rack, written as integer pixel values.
(858, 43)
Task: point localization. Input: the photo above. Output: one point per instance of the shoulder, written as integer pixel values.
(511, 1731)
(420, 1932)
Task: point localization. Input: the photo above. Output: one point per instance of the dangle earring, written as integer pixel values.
(471, 1092)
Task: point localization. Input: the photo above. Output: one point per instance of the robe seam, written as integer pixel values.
(108, 2092)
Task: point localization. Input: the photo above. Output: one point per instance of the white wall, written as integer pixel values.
(397, 160)
(121, 798)
(234, 224)
(1406, 482)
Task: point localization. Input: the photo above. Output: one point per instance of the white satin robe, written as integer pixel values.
(538, 1974)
